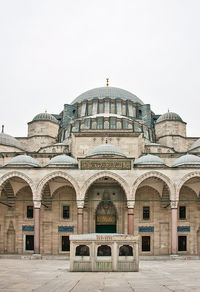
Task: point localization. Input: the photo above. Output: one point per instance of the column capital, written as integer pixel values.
(37, 204)
(174, 204)
(130, 204)
(80, 204)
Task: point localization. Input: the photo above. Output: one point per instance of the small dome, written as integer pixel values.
(169, 116)
(107, 92)
(187, 159)
(106, 149)
(62, 160)
(8, 140)
(23, 160)
(149, 160)
(45, 117)
(196, 144)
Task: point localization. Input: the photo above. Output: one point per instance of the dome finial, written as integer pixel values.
(2, 131)
(45, 111)
(107, 82)
(168, 110)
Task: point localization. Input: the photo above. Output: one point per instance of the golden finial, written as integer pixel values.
(168, 110)
(2, 131)
(107, 82)
(45, 110)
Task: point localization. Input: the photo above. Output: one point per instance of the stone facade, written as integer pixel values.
(107, 190)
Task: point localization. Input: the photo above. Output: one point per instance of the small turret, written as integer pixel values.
(170, 131)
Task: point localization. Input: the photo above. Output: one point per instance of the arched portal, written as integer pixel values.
(106, 215)
(16, 198)
(188, 206)
(58, 215)
(105, 209)
(152, 215)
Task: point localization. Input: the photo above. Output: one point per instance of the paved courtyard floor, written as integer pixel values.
(18, 275)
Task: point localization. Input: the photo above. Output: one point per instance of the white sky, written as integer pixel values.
(52, 51)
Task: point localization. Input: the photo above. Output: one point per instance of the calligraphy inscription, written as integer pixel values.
(106, 219)
(104, 237)
(106, 164)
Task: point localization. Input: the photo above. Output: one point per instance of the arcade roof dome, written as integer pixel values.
(187, 159)
(169, 116)
(106, 149)
(45, 117)
(107, 92)
(62, 160)
(8, 140)
(23, 160)
(149, 160)
(195, 144)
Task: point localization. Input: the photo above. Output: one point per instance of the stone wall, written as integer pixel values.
(42, 128)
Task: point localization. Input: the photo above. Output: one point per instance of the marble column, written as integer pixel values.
(174, 235)
(79, 220)
(37, 230)
(131, 221)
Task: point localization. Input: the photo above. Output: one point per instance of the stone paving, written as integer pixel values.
(53, 275)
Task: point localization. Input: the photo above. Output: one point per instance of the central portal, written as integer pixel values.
(106, 216)
(105, 208)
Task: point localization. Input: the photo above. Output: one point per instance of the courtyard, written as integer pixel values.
(17, 275)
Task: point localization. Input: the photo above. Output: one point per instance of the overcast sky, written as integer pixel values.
(52, 51)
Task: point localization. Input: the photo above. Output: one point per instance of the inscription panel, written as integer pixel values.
(109, 219)
(183, 228)
(65, 228)
(27, 228)
(146, 229)
(102, 164)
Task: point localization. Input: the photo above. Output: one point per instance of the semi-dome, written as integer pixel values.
(23, 160)
(107, 92)
(62, 160)
(8, 140)
(106, 149)
(187, 159)
(169, 116)
(149, 160)
(196, 144)
(45, 117)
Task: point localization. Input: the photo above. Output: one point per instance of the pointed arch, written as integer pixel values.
(55, 174)
(185, 179)
(156, 174)
(19, 174)
(102, 174)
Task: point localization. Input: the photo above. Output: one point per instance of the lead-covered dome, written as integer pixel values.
(195, 145)
(106, 149)
(107, 92)
(149, 160)
(8, 140)
(45, 117)
(62, 160)
(23, 160)
(187, 159)
(169, 116)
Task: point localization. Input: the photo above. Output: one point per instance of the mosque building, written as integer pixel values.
(107, 164)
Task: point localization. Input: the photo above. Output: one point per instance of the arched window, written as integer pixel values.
(126, 250)
(104, 250)
(82, 250)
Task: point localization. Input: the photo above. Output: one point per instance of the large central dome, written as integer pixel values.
(107, 92)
